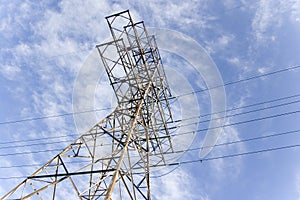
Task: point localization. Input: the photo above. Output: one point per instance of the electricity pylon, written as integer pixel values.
(113, 159)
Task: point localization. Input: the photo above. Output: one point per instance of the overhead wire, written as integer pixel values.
(180, 163)
(245, 121)
(244, 80)
(182, 119)
(237, 154)
(53, 116)
(35, 144)
(243, 140)
(176, 134)
(225, 156)
(178, 96)
(240, 113)
(205, 159)
(198, 148)
(251, 105)
(38, 139)
(199, 130)
(185, 119)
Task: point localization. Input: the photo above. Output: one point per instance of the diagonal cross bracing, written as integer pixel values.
(137, 130)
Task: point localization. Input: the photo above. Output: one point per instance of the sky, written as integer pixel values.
(45, 49)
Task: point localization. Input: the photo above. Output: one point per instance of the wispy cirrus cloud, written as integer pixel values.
(10, 72)
(224, 169)
(176, 14)
(177, 185)
(44, 45)
(270, 16)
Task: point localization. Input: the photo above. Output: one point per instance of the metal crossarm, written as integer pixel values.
(114, 158)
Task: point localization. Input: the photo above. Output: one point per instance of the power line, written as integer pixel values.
(108, 108)
(246, 140)
(255, 104)
(55, 142)
(205, 159)
(52, 116)
(199, 130)
(238, 154)
(244, 80)
(246, 121)
(35, 144)
(241, 113)
(252, 105)
(37, 139)
(174, 134)
(236, 123)
(39, 144)
(198, 148)
(29, 152)
(236, 114)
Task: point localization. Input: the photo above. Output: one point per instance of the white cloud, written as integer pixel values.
(270, 16)
(176, 186)
(10, 72)
(181, 14)
(23, 49)
(295, 11)
(224, 40)
(262, 70)
(62, 37)
(265, 17)
(229, 3)
(47, 59)
(59, 34)
(234, 60)
(220, 43)
(227, 168)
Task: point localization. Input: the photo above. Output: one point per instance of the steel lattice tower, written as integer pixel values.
(137, 130)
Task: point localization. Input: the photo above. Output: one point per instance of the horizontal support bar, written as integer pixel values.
(70, 174)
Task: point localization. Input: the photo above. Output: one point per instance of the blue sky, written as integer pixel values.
(44, 46)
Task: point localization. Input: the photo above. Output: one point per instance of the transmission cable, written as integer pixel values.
(204, 159)
(244, 80)
(202, 121)
(178, 96)
(251, 105)
(41, 138)
(243, 122)
(53, 116)
(35, 144)
(199, 130)
(197, 148)
(240, 113)
(237, 154)
(255, 110)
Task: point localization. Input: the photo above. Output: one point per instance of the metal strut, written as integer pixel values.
(137, 131)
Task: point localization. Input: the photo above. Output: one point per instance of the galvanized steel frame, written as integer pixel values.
(137, 130)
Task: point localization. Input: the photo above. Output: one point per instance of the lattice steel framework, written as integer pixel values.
(137, 130)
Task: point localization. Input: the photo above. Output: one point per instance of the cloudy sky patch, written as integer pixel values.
(44, 46)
